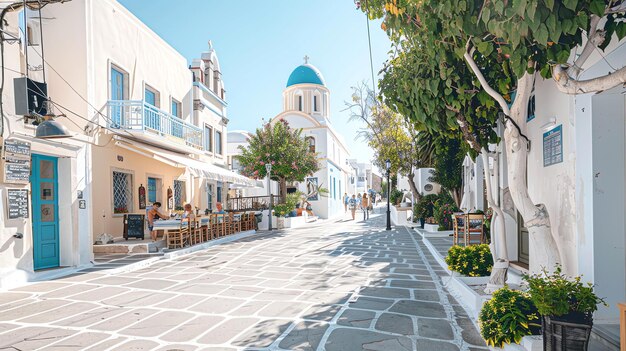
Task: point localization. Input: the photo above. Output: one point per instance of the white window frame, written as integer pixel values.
(157, 94)
(210, 142)
(219, 150)
(179, 105)
(125, 76)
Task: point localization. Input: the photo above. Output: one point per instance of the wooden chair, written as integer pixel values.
(178, 238)
(205, 230)
(195, 231)
(474, 229)
(229, 225)
(217, 226)
(458, 223)
(237, 222)
(250, 221)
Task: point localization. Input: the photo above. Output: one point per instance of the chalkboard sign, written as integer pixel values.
(18, 172)
(16, 147)
(17, 203)
(133, 226)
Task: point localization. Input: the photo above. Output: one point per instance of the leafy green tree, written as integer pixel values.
(285, 149)
(448, 165)
(389, 135)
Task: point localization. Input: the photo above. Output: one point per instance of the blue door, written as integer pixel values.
(151, 113)
(152, 190)
(117, 93)
(45, 211)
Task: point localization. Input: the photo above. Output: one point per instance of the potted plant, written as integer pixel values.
(566, 306)
(472, 261)
(280, 211)
(507, 317)
(424, 208)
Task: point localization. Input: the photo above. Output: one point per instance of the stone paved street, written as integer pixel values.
(338, 285)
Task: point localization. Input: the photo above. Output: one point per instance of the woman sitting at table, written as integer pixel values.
(219, 208)
(188, 215)
(153, 214)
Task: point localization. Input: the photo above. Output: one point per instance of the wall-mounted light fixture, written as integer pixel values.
(549, 125)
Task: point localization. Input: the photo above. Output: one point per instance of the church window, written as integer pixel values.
(299, 102)
(311, 142)
(315, 103)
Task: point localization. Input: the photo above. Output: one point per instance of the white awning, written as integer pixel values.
(196, 167)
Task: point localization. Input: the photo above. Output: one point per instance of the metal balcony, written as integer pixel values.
(140, 116)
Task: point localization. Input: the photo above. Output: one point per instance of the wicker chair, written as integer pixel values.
(178, 238)
(474, 233)
(205, 230)
(237, 222)
(217, 226)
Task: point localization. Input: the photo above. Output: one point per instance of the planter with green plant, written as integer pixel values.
(507, 317)
(566, 305)
(395, 196)
(424, 208)
(473, 260)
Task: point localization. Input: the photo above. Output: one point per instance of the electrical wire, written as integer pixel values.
(369, 41)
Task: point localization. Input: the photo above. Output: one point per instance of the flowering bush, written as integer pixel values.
(508, 317)
(425, 206)
(443, 215)
(473, 260)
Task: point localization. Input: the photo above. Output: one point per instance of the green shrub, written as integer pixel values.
(507, 317)
(443, 209)
(473, 260)
(281, 210)
(424, 207)
(395, 196)
(555, 294)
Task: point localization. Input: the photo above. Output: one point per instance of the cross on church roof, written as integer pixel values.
(306, 59)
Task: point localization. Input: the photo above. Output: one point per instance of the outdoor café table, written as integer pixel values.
(166, 225)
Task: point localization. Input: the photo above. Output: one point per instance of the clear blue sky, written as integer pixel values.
(259, 43)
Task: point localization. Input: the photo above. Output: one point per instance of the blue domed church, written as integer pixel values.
(306, 106)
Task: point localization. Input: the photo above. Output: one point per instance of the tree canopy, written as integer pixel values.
(283, 147)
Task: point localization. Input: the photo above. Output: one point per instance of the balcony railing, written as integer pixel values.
(139, 115)
(252, 203)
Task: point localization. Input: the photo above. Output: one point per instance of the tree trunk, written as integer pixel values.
(544, 252)
(414, 190)
(456, 196)
(497, 279)
(283, 190)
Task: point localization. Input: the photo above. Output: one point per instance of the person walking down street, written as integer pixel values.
(358, 201)
(346, 199)
(365, 205)
(352, 204)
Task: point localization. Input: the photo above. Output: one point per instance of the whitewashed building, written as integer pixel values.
(577, 168)
(306, 106)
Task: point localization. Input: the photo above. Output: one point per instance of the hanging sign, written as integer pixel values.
(170, 199)
(16, 164)
(142, 197)
(17, 203)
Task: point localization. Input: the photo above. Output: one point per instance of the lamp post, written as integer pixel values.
(268, 168)
(388, 166)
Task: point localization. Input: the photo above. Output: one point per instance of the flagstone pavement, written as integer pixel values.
(336, 285)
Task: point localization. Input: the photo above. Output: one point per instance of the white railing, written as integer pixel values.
(139, 115)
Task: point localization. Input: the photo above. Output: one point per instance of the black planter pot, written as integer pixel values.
(569, 332)
(422, 223)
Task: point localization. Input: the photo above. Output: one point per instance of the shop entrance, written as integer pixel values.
(44, 182)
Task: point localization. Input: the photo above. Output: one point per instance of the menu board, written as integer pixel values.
(16, 147)
(17, 203)
(134, 226)
(16, 165)
(553, 146)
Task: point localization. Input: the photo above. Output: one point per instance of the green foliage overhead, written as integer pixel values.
(507, 317)
(281, 146)
(448, 163)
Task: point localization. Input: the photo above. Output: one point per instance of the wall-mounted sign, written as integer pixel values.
(142, 197)
(16, 147)
(17, 203)
(16, 164)
(553, 146)
(82, 204)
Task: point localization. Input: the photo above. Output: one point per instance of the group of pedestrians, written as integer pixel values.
(362, 202)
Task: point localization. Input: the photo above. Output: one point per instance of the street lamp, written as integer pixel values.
(388, 166)
(268, 168)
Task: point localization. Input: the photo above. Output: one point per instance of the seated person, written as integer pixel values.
(219, 209)
(153, 214)
(188, 214)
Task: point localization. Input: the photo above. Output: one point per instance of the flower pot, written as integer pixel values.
(280, 223)
(569, 332)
